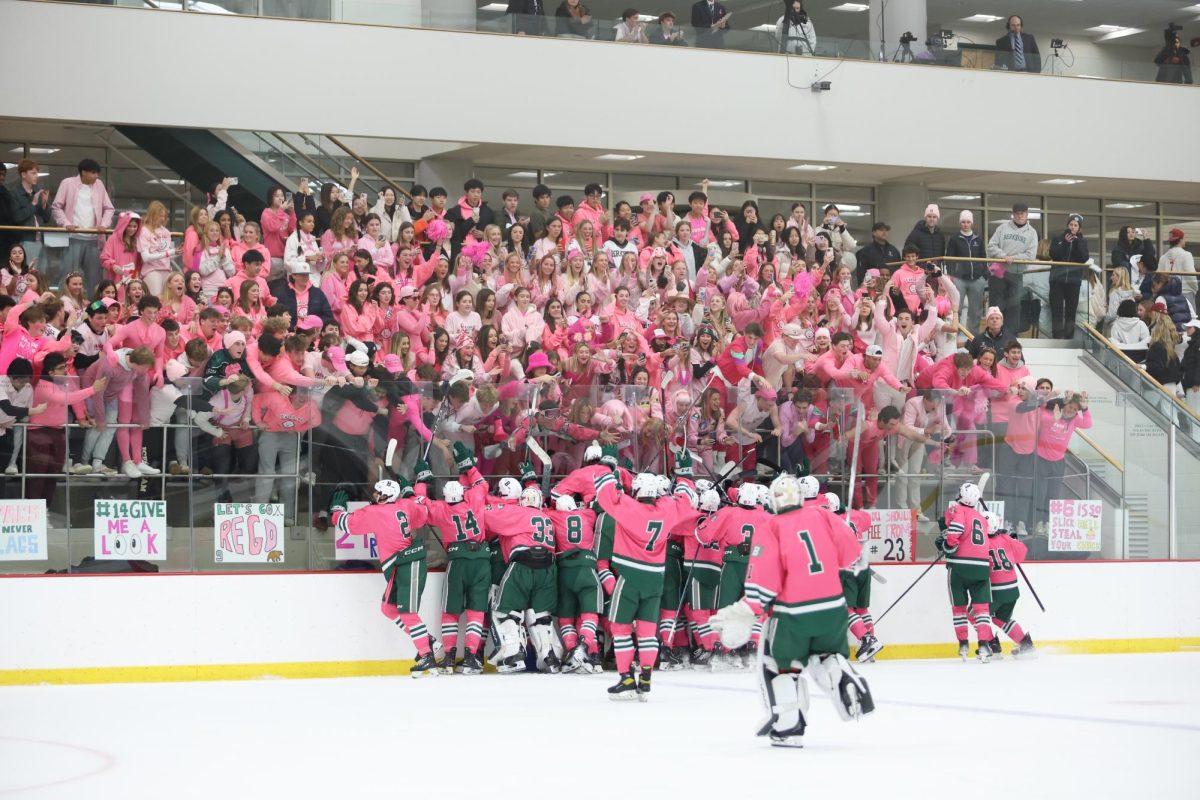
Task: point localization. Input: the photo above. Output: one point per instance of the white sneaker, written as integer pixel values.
(130, 469)
(146, 469)
(103, 469)
(81, 469)
(11, 469)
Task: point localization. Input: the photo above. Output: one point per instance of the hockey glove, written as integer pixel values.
(940, 543)
(683, 464)
(734, 623)
(464, 459)
(406, 488)
(527, 473)
(423, 473)
(608, 456)
(338, 501)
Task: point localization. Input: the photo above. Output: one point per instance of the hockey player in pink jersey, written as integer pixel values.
(394, 522)
(793, 575)
(856, 582)
(459, 520)
(580, 598)
(732, 529)
(1006, 552)
(965, 543)
(702, 565)
(530, 581)
(582, 481)
(641, 523)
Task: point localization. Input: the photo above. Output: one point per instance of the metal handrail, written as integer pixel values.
(56, 229)
(1182, 406)
(1103, 453)
(317, 146)
(378, 172)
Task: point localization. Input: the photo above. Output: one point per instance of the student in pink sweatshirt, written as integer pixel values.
(47, 439)
(278, 223)
(155, 248)
(120, 259)
(1060, 418)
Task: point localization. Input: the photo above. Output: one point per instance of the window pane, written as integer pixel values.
(1129, 206)
(942, 196)
(1181, 210)
(1076, 205)
(831, 193)
(1007, 200)
(780, 189)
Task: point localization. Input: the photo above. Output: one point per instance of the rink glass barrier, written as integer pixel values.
(964, 54)
(262, 506)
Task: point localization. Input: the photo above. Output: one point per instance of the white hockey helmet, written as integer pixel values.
(508, 488)
(645, 485)
(969, 495)
(593, 453)
(833, 502)
(785, 493)
(704, 483)
(565, 502)
(664, 485)
(709, 500)
(749, 495)
(388, 490)
(531, 497)
(453, 492)
(995, 524)
(809, 487)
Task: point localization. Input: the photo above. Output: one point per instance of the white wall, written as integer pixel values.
(127, 67)
(156, 620)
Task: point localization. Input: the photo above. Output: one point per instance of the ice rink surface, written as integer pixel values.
(1067, 726)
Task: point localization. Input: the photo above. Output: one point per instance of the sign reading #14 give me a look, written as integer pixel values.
(130, 529)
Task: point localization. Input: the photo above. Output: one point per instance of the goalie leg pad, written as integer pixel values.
(846, 688)
(791, 707)
(509, 632)
(542, 633)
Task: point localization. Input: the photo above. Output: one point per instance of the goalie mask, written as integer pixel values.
(531, 497)
(508, 488)
(785, 493)
(969, 495)
(645, 486)
(452, 492)
(386, 491)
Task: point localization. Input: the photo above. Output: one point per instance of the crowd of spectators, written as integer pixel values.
(307, 339)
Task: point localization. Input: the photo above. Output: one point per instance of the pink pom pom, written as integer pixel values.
(474, 251)
(437, 231)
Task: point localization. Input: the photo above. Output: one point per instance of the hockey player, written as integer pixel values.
(530, 583)
(793, 576)
(702, 565)
(965, 543)
(580, 597)
(639, 553)
(582, 481)
(394, 522)
(732, 529)
(1005, 552)
(459, 520)
(856, 582)
(673, 634)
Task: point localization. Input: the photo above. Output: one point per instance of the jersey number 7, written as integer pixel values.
(654, 528)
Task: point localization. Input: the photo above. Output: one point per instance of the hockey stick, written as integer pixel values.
(1031, 589)
(858, 407)
(910, 588)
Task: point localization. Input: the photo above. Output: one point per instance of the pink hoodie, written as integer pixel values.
(114, 257)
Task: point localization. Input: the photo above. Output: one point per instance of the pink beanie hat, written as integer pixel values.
(932, 208)
(232, 338)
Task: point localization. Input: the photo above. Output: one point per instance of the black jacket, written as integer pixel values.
(931, 243)
(1174, 65)
(1191, 364)
(1138, 247)
(463, 227)
(986, 339)
(874, 256)
(528, 16)
(317, 302)
(702, 21)
(1062, 250)
(1160, 366)
(966, 247)
(1004, 53)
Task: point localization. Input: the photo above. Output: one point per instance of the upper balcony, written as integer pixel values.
(879, 121)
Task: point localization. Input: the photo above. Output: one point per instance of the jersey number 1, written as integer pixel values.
(814, 564)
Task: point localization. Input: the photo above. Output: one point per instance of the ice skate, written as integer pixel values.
(964, 650)
(997, 651)
(1025, 650)
(671, 659)
(446, 664)
(867, 649)
(983, 653)
(470, 665)
(793, 737)
(426, 667)
(551, 664)
(701, 657)
(576, 660)
(644, 684)
(625, 689)
(594, 664)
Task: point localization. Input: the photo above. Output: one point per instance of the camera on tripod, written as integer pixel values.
(1057, 44)
(907, 38)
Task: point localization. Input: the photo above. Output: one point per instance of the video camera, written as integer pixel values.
(907, 38)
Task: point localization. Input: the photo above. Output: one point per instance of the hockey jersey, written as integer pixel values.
(575, 533)
(795, 561)
(966, 537)
(1005, 553)
(394, 525)
(582, 481)
(732, 528)
(641, 529)
(701, 557)
(519, 528)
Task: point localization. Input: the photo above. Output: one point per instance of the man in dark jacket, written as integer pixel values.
(995, 334)
(969, 276)
(927, 236)
(301, 298)
(1174, 62)
(469, 214)
(1016, 50)
(528, 17)
(710, 19)
(1065, 282)
(877, 253)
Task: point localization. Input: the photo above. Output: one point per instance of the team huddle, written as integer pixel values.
(669, 572)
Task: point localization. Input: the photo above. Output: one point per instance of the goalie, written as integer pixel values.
(793, 576)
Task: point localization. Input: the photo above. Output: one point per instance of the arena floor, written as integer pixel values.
(1066, 726)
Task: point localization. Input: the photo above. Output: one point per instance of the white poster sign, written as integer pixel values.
(1075, 525)
(248, 533)
(23, 530)
(130, 530)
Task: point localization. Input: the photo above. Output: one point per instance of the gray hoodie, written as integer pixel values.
(1129, 333)
(1009, 240)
